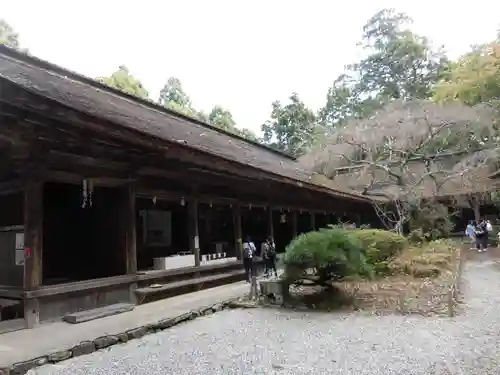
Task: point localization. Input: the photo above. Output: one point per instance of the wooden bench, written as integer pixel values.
(151, 293)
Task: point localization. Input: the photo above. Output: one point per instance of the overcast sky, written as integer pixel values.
(239, 54)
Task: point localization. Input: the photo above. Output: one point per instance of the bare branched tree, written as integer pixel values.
(411, 152)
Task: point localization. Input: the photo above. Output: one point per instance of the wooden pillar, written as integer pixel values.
(130, 229)
(33, 233)
(313, 221)
(238, 236)
(294, 224)
(270, 223)
(194, 232)
(33, 246)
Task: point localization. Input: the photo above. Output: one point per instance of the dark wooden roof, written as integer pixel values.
(101, 101)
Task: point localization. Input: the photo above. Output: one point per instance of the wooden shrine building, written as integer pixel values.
(107, 198)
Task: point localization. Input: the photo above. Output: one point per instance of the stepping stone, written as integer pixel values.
(101, 312)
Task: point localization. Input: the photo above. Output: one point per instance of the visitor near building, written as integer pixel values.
(269, 257)
(469, 232)
(481, 235)
(249, 250)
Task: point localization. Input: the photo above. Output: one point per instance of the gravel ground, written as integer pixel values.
(266, 341)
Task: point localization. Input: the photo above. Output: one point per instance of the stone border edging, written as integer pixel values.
(103, 342)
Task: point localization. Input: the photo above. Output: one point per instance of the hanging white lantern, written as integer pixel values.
(183, 202)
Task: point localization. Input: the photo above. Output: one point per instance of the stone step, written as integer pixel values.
(101, 312)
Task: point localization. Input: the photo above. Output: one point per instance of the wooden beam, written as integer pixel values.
(242, 200)
(80, 286)
(33, 233)
(179, 171)
(238, 235)
(194, 233)
(270, 222)
(76, 178)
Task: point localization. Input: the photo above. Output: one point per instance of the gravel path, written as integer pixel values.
(281, 342)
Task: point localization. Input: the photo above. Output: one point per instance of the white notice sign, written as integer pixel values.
(19, 241)
(196, 242)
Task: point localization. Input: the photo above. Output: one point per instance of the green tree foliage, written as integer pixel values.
(474, 78)
(246, 133)
(380, 245)
(126, 82)
(292, 128)
(173, 96)
(345, 101)
(332, 253)
(399, 64)
(337, 252)
(341, 103)
(221, 118)
(8, 36)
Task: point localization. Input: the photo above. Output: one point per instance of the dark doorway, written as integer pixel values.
(81, 243)
(304, 222)
(216, 229)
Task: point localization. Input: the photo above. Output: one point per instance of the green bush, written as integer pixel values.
(380, 245)
(433, 219)
(416, 236)
(333, 253)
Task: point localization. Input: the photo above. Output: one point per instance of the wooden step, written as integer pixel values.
(101, 312)
(184, 283)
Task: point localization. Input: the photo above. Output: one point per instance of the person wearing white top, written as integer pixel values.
(249, 250)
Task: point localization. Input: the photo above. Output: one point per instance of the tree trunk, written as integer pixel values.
(474, 203)
(477, 211)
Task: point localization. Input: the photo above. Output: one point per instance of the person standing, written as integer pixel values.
(481, 235)
(469, 232)
(249, 250)
(269, 256)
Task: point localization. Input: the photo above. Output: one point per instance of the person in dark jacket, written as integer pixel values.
(269, 257)
(481, 235)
